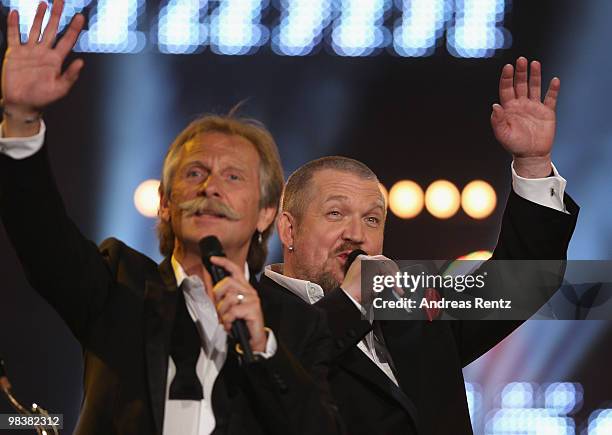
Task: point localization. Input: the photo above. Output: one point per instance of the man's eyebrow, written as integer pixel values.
(379, 204)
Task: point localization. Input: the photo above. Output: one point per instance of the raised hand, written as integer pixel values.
(32, 76)
(523, 124)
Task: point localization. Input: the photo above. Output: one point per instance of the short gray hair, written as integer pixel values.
(270, 174)
(297, 190)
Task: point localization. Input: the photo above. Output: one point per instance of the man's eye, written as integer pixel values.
(334, 214)
(373, 220)
(233, 177)
(194, 173)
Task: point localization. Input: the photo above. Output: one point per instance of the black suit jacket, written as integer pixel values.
(120, 305)
(429, 356)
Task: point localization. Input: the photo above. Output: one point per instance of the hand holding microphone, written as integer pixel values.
(237, 302)
(352, 275)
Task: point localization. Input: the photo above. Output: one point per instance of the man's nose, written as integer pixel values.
(210, 187)
(354, 230)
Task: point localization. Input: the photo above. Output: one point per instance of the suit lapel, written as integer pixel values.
(362, 367)
(354, 360)
(159, 312)
(269, 305)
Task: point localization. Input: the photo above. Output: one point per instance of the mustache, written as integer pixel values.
(347, 246)
(209, 206)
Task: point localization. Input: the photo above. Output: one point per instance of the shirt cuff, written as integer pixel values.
(271, 346)
(22, 147)
(547, 191)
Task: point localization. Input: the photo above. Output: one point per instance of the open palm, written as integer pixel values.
(523, 124)
(32, 75)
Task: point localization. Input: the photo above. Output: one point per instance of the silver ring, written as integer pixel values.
(240, 298)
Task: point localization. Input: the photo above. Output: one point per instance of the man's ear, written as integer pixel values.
(164, 207)
(286, 228)
(266, 218)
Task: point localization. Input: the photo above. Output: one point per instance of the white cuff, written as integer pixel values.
(22, 147)
(271, 347)
(547, 191)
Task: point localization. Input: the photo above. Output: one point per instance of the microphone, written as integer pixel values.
(351, 258)
(211, 247)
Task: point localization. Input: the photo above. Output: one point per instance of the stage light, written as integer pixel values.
(146, 198)
(517, 395)
(421, 25)
(600, 422)
(359, 30)
(518, 414)
(406, 199)
(478, 199)
(235, 27)
(442, 199)
(112, 28)
(563, 397)
(477, 31)
(179, 29)
(301, 26)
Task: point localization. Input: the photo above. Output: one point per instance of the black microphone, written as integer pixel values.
(351, 257)
(211, 247)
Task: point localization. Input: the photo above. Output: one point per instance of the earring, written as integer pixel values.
(259, 238)
(291, 249)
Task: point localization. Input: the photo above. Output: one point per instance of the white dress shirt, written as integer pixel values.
(195, 417)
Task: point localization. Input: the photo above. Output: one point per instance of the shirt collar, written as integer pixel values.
(180, 275)
(306, 290)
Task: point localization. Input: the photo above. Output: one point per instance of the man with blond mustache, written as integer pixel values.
(404, 377)
(158, 355)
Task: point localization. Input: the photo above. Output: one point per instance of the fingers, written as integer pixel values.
(71, 75)
(13, 36)
(66, 43)
(497, 116)
(37, 24)
(553, 92)
(234, 270)
(506, 85)
(51, 30)
(227, 292)
(520, 78)
(535, 81)
(236, 301)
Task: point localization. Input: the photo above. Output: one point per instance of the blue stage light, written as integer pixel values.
(421, 25)
(359, 30)
(112, 28)
(179, 30)
(477, 31)
(301, 26)
(600, 422)
(235, 27)
(563, 397)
